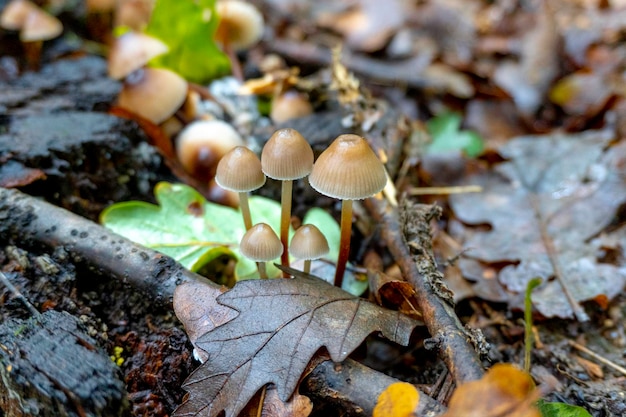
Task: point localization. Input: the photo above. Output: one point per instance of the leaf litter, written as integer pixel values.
(577, 183)
(281, 324)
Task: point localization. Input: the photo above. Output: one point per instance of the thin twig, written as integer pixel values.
(597, 357)
(420, 270)
(554, 261)
(18, 295)
(460, 189)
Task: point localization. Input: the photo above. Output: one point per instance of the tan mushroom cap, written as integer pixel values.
(308, 243)
(14, 14)
(241, 23)
(261, 244)
(290, 105)
(240, 170)
(153, 93)
(348, 170)
(202, 144)
(287, 155)
(39, 25)
(132, 51)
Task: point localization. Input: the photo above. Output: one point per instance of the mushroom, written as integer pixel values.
(240, 26)
(133, 14)
(290, 105)
(308, 243)
(131, 51)
(153, 93)
(202, 144)
(35, 26)
(286, 156)
(261, 244)
(348, 170)
(240, 171)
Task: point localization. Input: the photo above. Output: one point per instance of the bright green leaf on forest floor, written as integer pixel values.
(447, 136)
(188, 228)
(561, 410)
(203, 236)
(188, 28)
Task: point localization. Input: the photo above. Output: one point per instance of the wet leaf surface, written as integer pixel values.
(578, 186)
(281, 324)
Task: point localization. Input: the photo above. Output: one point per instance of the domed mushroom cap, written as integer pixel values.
(241, 23)
(240, 170)
(153, 93)
(14, 14)
(287, 155)
(202, 144)
(348, 170)
(261, 244)
(40, 26)
(308, 243)
(132, 51)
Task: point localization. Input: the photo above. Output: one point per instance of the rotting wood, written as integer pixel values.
(410, 242)
(50, 367)
(29, 222)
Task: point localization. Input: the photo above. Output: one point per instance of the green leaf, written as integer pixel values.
(188, 28)
(444, 130)
(561, 410)
(188, 228)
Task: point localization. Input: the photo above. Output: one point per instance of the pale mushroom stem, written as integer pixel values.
(344, 241)
(262, 270)
(245, 210)
(307, 266)
(285, 220)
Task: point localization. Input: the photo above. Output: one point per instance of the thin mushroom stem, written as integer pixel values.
(285, 220)
(262, 270)
(307, 266)
(245, 210)
(344, 241)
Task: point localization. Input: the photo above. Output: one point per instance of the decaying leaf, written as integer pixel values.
(504, 391)
(281, 324)
(578, 187)
(398, 400)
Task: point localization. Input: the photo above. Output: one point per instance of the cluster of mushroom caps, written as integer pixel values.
(347, 170)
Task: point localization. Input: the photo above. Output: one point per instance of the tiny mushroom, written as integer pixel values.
(153, 93)
(202, 144)
(35, 26)
(290, 105)
(261, 244)
(347, 170)
(308, 243)
(240, 26)
(240, 171)
(286, 156)
(131, 51)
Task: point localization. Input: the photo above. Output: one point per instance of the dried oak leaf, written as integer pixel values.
(281, 324)
(577, 183)
(503, 391)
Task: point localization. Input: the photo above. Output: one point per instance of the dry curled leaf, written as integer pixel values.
(504, 391)
(281, 324)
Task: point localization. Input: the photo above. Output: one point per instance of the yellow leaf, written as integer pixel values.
(398, 400)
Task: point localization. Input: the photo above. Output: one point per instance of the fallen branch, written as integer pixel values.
(411, 248)
(29, 222)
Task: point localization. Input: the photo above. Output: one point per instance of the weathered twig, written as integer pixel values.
(35, 223)
(412, 250)
(30, 222)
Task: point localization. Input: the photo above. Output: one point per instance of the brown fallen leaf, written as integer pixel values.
(578, 187)
(504, 391)
(281, 324)
(394, 293)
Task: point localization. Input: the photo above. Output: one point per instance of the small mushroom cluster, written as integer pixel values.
(347, 170)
